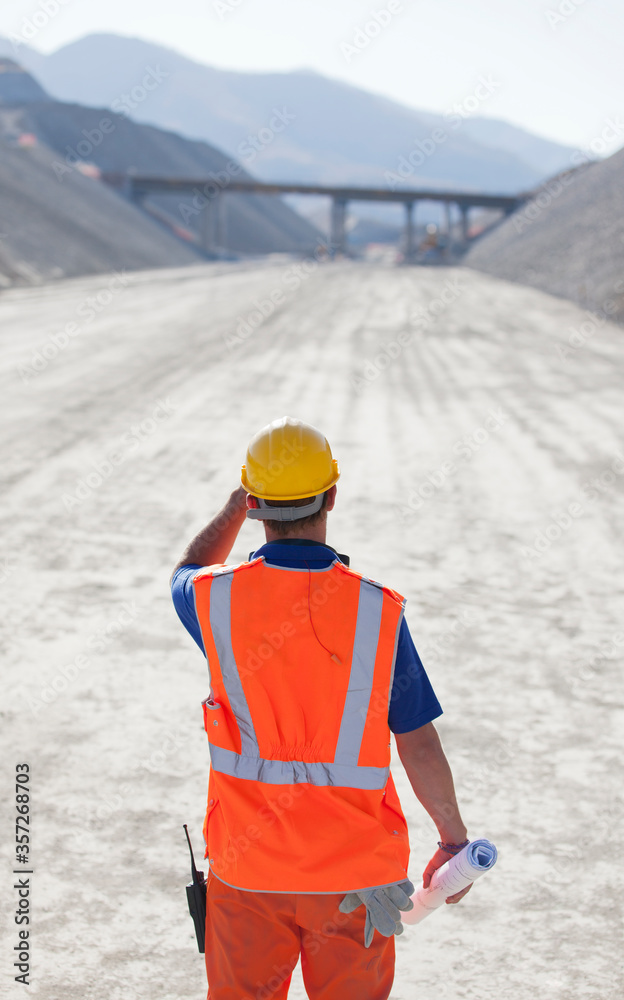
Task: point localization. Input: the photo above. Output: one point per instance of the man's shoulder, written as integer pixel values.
(218, 569)
(222, 569)
(368, 581)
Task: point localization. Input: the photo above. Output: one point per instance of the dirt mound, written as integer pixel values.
(114, 143)
(17, 86)
(569, 240)
(52, 230)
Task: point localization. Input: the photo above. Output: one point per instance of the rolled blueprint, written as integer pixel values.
(473, 861)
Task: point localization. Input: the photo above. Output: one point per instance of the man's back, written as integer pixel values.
(289, 710)
(311, 667)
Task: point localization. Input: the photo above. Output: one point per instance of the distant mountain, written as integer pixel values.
(293, 126)
(568, 241)
(17, 86)
(545, 157)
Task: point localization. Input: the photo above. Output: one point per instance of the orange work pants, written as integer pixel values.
(254, 939)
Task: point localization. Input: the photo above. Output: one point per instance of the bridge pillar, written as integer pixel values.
(409, 232)
(338, 232)
(211, 228)
(447, 227)
(464, 209)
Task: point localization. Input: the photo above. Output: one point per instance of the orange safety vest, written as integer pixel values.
(301, 662)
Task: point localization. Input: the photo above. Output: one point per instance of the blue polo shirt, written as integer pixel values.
(412, 701)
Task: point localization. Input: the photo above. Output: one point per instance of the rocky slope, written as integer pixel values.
(568, 241)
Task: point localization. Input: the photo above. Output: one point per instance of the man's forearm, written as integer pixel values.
(430, 776)
(214, 543)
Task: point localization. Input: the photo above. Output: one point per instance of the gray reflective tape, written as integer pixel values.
(295, 772)
(394, 654)
(221, 625)
(360, 687)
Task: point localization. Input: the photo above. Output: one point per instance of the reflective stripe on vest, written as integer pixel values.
(360, 679)
(221, 625)
(343, 770)
(293, 772)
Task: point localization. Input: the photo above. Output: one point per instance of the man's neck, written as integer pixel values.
(316, 533)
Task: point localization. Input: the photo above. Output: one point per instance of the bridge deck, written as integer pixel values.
(141, 185)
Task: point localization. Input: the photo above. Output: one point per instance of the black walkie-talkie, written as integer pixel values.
(196, 898)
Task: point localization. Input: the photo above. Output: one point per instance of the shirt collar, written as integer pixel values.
(296, 550)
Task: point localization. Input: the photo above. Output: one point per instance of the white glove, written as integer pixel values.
(383, 908)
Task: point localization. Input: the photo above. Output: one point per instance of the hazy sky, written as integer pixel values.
(555, 66)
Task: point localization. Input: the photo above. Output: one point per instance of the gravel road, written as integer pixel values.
(479, 429)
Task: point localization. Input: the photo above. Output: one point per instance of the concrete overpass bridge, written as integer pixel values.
(208, 194)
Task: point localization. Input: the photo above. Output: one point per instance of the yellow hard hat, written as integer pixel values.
(289, 460)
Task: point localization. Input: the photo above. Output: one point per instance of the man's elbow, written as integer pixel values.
(419, 743)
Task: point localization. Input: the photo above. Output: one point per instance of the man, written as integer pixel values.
(311, 665)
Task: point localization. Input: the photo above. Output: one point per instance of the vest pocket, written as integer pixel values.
(220, 726)
(212, 714)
